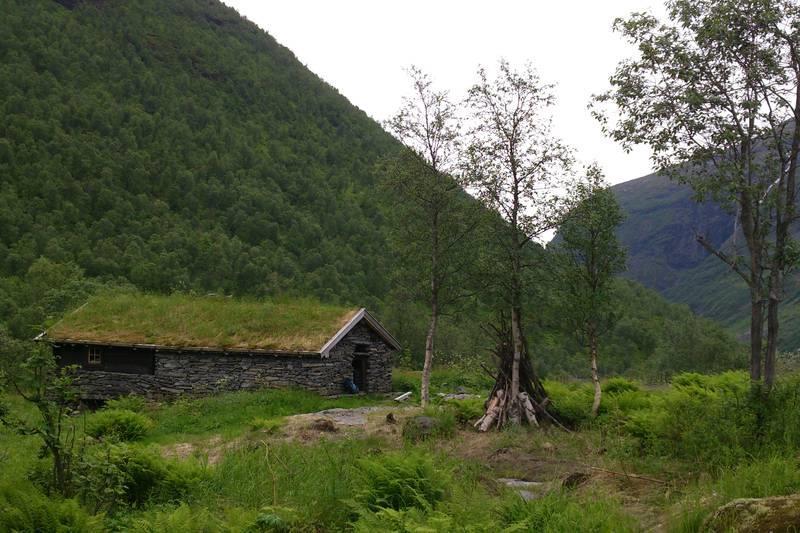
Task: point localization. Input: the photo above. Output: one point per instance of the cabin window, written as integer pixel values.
(362, 347)
(95, 356)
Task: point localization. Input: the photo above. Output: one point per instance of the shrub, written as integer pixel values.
(121, 473)
(22, 508)
(405, 382)
(706, 420)
(399, 481)
(130, 402)
(435, 422)
(182, 519)
(466, 411)
(118, 424)
(404, 521)
(572, 403)
(557, 512)
(619, 385)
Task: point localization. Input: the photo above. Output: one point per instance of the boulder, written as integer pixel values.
(745, 515)
(420, 428)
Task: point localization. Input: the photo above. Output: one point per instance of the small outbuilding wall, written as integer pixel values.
(126, 370)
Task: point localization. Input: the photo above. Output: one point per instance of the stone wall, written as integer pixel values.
(203, 373)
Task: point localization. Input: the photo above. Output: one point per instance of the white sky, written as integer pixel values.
(361, 48)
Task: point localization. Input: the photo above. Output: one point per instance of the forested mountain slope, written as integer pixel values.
(176, 145)
(173, 145)
(659, 232)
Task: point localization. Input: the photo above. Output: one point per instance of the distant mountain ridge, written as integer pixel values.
(662, 221)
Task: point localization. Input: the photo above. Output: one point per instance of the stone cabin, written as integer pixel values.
(166, 346)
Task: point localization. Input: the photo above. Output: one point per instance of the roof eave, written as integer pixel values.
(163, 347)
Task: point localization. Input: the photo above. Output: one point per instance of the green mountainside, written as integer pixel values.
(659, 232)
(172, 145)
(176, 145)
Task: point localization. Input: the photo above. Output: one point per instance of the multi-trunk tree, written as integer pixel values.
(590, 256)
(435, 218)
(518, 168)
(714, 92)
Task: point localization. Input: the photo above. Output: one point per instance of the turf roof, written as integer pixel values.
(203, 321)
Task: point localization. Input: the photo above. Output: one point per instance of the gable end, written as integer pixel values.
(373, 323)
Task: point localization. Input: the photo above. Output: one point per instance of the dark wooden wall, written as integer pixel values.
(113, 358)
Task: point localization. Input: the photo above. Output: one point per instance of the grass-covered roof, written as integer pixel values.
(181, 320)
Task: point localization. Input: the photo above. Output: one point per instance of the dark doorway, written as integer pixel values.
(360, 371)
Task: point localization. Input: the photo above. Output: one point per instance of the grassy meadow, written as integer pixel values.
(655, 459)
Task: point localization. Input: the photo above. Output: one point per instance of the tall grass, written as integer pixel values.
(229, 413)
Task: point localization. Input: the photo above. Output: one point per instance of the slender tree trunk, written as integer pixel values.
(429, 346)
(772, 337)
(514, 413)
(756, 332)
(431, 337)
(595, 377)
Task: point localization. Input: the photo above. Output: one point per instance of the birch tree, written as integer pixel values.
(591, 256)
(436, 216)
(519, 168)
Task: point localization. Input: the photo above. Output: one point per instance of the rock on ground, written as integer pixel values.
(745, 515)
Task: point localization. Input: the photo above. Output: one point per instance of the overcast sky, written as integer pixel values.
(362, 47)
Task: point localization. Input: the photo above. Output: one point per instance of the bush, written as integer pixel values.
(614, 386)
(466, 411)
(118, 424)
(405, 382)
(130, 402)
(557, 512)
(399, 481)
(435, 422)
(121, 473)
(26, 509)
(707, 420)
(572, 404)
(405, 521)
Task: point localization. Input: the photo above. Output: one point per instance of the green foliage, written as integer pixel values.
(50, 390)
(131, 402)
(466, 411)
(652, 341)
(413, 520)
(267, 425)
(122, 473)
(183, 519)
(22, 508)
(770, 476)
(571, 403)
(118, 424)
(588, 256)
(400, 481)
(619, 385)
(405, 381)
(559, 512)
(435, 422)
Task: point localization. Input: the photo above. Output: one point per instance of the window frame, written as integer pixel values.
(94, 356)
